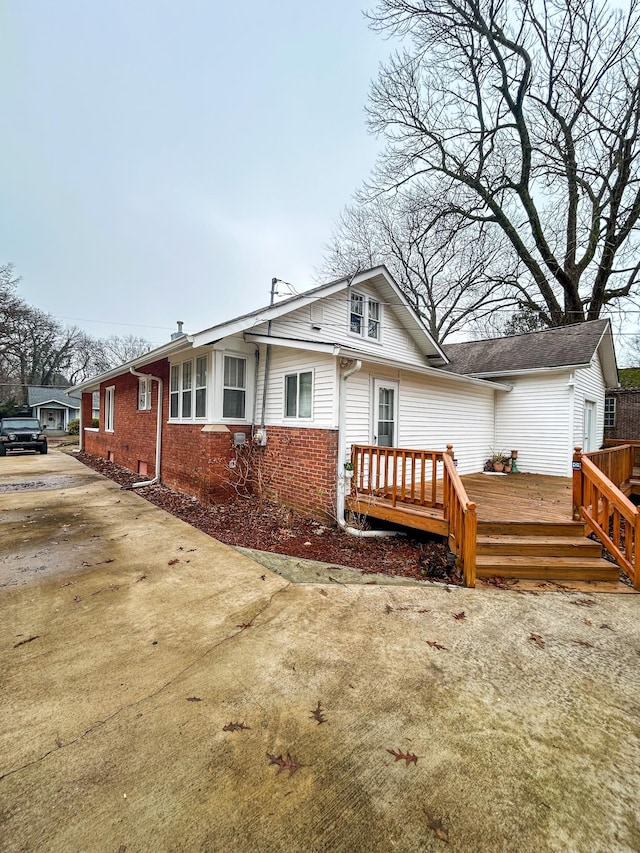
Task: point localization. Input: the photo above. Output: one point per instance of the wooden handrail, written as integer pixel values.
(607, 511)
(616, 463)
(406, 476)
(461, 514)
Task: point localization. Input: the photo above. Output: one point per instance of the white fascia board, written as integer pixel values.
(263, 315)
(93, 384)
(292, 343)
(426, 370)
(531, 371)
(607, 353)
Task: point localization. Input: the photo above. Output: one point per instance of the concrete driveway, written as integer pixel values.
(159, 692)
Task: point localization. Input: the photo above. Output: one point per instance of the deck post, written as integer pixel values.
(470, 543)
(450, 450)
(636, 554)
(577, 483)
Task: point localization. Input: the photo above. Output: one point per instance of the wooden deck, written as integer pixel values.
(514, 525)
(500, 498)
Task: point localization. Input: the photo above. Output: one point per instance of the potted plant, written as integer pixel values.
(348, 470)
(497, 461)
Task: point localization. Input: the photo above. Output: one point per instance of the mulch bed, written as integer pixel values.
(269, 527)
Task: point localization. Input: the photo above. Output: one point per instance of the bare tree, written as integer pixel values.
(452, 276)
(522, 115)
(117, 349)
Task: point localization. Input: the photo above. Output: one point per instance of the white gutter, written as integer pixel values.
(157, 379)
(342, 450)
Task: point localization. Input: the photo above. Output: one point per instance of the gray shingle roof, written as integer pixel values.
(559, 347)
(39, 394)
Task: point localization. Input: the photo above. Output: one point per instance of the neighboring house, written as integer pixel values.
(347, 363)
(53, 406)
(622, 407)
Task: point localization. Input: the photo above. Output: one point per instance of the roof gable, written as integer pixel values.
(39, 395)
(378, 277)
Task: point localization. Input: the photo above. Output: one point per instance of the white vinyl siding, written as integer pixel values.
(432, 413)
(533, 418)
(286, 362)
(589, 385)
(331, 322)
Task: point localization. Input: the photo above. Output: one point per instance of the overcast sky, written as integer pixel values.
(163, 160)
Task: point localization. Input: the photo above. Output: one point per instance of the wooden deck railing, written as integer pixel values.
(606, 510)
(616, 463)
(460, 512)
(413, 477)
(634, 445)
(405, 476)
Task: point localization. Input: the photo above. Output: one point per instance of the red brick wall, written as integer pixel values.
(627, 415)
(297, 468)
(300, 469)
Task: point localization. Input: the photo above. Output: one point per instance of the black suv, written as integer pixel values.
(21, 434)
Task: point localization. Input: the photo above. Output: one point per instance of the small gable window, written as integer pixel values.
(298, 392)
(365, 316)
(609, 412)
(144, 394)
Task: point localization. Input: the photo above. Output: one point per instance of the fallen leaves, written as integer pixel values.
(435, 645)
(194, 699)
(583, 602)
(28, 640)
(235, 727)
(244, 625)
(437, 827)
(316, 714)
(407, 757)
(460, 616)
(282, 763)
(537, 639)
(173, 562)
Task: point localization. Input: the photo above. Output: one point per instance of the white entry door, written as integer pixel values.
(589, 438)
(385, 413)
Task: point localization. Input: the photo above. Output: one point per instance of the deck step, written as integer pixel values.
(531, 528)
(546, 568)
(539, 546)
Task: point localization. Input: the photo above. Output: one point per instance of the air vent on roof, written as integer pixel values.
(179, 333)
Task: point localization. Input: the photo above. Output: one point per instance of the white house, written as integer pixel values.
(346, 363)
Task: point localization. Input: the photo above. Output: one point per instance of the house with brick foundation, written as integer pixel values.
(277, 398)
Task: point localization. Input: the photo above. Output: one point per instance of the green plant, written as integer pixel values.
(73, 427)
(348, 466)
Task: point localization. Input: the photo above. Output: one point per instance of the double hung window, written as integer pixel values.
(234, 392)
(109, 407)
(188, 389)
(144, 394)
(610, 411)
(365, 316)
(298, 394)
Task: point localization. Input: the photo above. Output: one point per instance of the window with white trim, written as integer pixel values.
(234, 390)
(365, 316)
(144, 394)
(609, 411)
(298, 394)
(188, 389)
(109, 407)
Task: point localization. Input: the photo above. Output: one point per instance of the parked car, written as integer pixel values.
(22, 434)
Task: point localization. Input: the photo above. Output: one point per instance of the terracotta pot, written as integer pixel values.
(498, 466)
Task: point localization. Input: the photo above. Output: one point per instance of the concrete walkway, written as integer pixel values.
(148, 672)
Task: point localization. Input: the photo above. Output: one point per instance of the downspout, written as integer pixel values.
(157, 379)
(342, 449)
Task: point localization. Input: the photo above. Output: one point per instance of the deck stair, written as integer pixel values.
(541, 551)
